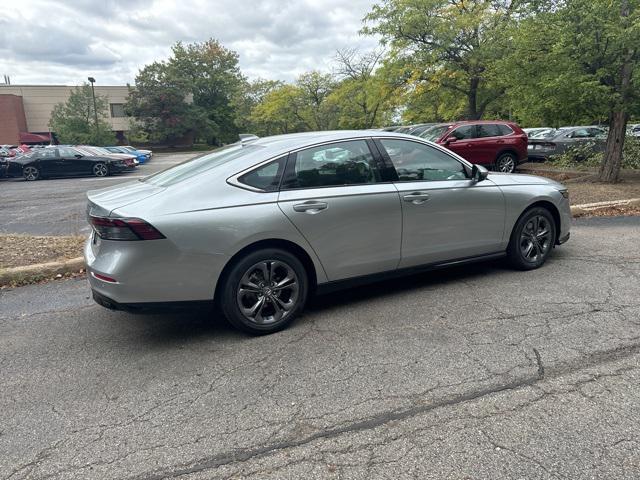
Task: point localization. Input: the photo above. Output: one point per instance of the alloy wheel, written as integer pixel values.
(100, 170)
(30, 173)
(506, 164)
(535, 239)
(268, 292)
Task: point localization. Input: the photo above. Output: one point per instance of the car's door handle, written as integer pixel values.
(310, 207)
(417, 198)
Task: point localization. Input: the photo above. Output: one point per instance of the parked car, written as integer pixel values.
(634, 130)
(534, 132)
(142, 157)
(129, 158)
(418, 129)
(492, 143)
(261, 225)
(148, 153)
(62, 162)
(559, 141)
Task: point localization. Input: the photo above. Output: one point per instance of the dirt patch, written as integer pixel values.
(617, 211)
(22, 250)
(584, 187)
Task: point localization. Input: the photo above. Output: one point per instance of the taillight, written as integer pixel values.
(124, 229)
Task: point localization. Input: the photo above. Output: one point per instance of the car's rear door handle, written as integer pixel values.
(310, 207)
(417, 198)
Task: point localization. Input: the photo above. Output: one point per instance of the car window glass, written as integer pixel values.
(267, 177)
(343, 163)
(415, 161)
(465, 132)
(504, 129)
(434, 133)
(67, 152)
(201, 164)
(597, 132)
(580, 133)
(490, 130)
(48, 153)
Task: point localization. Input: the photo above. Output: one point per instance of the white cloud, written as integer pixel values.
(52, 41)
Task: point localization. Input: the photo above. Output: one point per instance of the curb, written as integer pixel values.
(40, 271)
(586, 208)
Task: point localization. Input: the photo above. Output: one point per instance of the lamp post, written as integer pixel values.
(95, 108)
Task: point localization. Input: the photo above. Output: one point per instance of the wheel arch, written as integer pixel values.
(282, 244)
(555, 213)
(510, 150)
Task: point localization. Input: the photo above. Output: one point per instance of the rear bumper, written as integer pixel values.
(148, 307)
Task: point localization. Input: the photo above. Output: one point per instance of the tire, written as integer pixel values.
(526, 251)
(506, 163)
(101, 169)
(31, 173)
(259, 308)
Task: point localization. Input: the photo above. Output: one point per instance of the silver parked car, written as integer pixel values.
(262, 224)
(555, 142)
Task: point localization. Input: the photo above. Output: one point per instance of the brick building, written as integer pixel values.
(25, 110)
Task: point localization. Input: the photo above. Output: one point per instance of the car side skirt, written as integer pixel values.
(329, 287)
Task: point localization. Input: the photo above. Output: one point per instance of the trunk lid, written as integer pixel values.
(104, 201)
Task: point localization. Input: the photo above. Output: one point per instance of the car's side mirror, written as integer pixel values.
(78, 155)
(479, 173)
(451, 140)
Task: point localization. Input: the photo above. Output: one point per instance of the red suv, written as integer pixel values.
(493, 143)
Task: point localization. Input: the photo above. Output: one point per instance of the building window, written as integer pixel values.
(117, 110)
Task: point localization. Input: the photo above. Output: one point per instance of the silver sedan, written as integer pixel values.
(260, 225)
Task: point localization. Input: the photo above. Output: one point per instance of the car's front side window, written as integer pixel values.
(415, 161)
(335, 164)
(465, 132)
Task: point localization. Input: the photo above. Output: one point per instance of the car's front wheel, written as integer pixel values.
(31, 173)
(100, 169)
(264, 291)
(532, 239)
(506, 163)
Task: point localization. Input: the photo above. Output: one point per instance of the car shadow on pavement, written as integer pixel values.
(207, 323)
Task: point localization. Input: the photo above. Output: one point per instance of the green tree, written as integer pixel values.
(213, 77)
(250, 96)
(162, 106)
(74, 121)
(365, 94)
(277, 112)
(192, 92)
(575, 62)
(452, 43)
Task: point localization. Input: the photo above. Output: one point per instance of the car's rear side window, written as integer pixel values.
(490, 130)
(265, 178)
(341, 163)
(504, 129)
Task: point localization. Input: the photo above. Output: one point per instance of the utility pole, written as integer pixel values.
(95, 108)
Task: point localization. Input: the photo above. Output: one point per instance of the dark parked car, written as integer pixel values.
(496, 144)
(556, 142)
(63, 162)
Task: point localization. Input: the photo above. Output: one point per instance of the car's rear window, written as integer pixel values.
(200, 164)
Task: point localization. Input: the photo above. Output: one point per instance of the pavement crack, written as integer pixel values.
(540, 364)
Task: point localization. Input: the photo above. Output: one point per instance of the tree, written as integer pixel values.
(250, 96)
(192, 93)
(574, 62)
(74, 121)
(213, 77)
(277, 112)
(162, 106)
(365, 93)
(452, 43)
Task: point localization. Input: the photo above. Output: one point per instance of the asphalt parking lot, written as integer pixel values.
(57, 206)
(471, 373)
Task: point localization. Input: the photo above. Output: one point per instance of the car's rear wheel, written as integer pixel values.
(100, 169)
(532, 239)
(264, 291)
(31, 173)
(506, 163)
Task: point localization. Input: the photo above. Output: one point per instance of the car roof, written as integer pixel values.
(292, 141)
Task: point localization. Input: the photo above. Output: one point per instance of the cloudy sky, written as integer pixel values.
(63, 42)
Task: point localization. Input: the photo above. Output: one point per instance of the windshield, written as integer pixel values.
(434, 133)
(200, 164)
